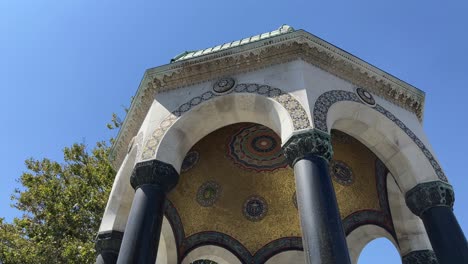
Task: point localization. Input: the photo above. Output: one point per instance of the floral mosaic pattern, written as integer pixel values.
(295, 109)
(326, 100)
(257, 148)
(208, 193)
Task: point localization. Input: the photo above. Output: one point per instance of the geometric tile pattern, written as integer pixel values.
(296, 111)
(327, 99)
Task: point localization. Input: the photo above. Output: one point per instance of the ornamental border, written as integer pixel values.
(327, 99)
(292, 105)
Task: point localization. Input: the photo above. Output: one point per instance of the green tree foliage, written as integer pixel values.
(62, 205)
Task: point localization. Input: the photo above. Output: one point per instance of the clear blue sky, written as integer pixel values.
(65, 66)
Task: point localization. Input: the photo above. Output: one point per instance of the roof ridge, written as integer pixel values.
(284, 28)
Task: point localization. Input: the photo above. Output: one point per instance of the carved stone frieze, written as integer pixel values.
(420, 257)
(281, 49)
(429, 194)
(307, 142)
(154, 172)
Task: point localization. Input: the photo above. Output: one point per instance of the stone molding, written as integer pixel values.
(420, 257)
(429, 194)
(280, 49)
(154, 172)
(307, 142)
(109, 241)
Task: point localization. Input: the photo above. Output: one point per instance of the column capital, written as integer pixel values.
(420, 257)
(109, 241)
(308, 142)
(429, 194)
(154, 172)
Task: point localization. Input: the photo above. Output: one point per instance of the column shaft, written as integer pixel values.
(446, 236)
(143, 228)
(322, 232)
(433, 203)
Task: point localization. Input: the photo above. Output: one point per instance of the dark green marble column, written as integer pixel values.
(433, 202)
(324, 241)
(151, 181)
(108, 246)
(420, 257)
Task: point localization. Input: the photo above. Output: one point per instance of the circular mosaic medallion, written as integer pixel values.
(208, 193)
(365, 96)
(223, 85)
(255, 208)
(341, 172)
(190, 160)
(256, 147)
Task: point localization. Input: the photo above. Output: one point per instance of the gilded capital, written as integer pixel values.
(429, 194)
(308, 142)
(154, 172)
(420, 257)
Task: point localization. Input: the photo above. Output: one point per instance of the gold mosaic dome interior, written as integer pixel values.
(235, 181)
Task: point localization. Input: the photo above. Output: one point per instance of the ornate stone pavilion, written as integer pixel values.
(278, 148)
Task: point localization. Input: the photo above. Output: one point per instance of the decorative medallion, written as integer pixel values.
(223, 85)
(365, 96)
(341, 172)
(190, 160)
(208, 193)
(256, 147)
(294, 199)
(255, 208)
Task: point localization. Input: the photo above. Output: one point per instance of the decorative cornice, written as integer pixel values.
(307, 142)
(280, 49)
(109, 241)
(429, 194)
(420, 257)
(154, 172)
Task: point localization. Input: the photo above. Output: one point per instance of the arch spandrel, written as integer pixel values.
(400, 149)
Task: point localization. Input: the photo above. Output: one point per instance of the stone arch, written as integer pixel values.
(362, 236)
(209, 111)
(214, 253)
(290, 256)
(388, 137)
(214, 246)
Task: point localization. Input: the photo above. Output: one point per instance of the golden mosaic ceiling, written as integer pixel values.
(235, 181)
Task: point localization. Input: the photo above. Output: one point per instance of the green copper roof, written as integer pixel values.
(192, 54)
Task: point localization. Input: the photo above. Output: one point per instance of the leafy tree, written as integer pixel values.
(62, 205)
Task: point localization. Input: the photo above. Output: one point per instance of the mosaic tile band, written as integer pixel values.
(327, 99)
(296, 111)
